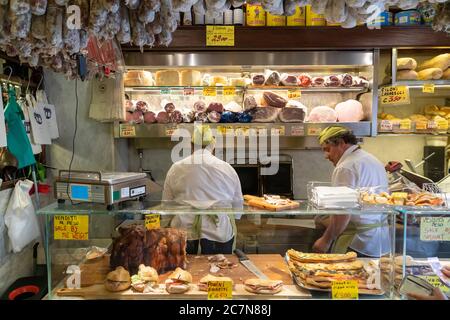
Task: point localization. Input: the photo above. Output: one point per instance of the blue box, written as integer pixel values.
(407, 18)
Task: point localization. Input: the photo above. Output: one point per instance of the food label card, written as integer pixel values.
(152, 221)
(219, 290)
(435, 229)
(395, 95)
(71, 227)
(220, 36)
(345, 289)
(127, 130)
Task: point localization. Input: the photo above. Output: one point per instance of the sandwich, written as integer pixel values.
(203, 283)
(178, 281)
(146, 278)
(321, 257)
(261, 286)
(118, 280)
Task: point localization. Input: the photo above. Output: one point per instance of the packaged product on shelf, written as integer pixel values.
(318, 81)
(233, 107)
(407, 18)
(201, 117)
(228, 117)
(214, 116)
(332, 81)
(304, 80)
(298, 19)
(228, 17)
(314, 19)
(250, 103)
(238, 16)
(255, 15)
(346, 79)
(274, 100)
(385, 18)
(272, 78)
(275, 21)
(292, 114)
(215, 106)
(187, 18)
(219, 19)
(244, 117)
(199, 106)
(360, 82)
(258, 79)
(218, 81)
(288, 79)
(264, 114)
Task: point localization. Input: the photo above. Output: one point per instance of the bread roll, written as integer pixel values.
(446, 74)
(430, 74)
(406, 64)
(407, 75)
(441, 61)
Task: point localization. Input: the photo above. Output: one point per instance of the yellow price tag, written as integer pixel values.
(152, 221)
(442, 124)
(405, 124)
(127, 130)
(71, 227)
(395, 95)
(428, 88)
(345, 289)
(421, 125)
(436, 282)
(277, 131)
(209, 91)
(219, 290)
(294, 93)
(220, 36)
(314, 131)
(229, 91)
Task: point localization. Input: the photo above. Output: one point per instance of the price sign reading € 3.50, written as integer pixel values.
(73, 227)
(220, 36)
(395, 95)
(152, 221)
(218, 290)
(345, 289)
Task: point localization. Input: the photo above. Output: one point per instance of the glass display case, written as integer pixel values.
(424, 247)
(85, 242)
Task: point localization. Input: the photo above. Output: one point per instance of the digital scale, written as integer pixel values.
(106, 188)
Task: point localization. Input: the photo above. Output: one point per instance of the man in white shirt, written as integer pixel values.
(203, 180)
(365, 233)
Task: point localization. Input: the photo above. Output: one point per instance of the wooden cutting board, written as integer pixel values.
(263, 204)
(273, 265)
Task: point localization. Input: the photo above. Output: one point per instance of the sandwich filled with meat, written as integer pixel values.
(179, 281)
(261, 286)
(118, 280)
(145, 279)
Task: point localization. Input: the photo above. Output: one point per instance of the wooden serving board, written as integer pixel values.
(272, 265)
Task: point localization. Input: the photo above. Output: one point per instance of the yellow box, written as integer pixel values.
(255, 15)
(275, 21)
(314, 19)
(298, 19)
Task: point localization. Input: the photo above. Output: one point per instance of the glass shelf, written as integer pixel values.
(171, 207)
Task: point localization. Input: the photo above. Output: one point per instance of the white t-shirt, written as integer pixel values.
(358, 168)
(203, 180)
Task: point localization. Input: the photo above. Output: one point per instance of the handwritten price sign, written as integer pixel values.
(345, 289)
(428, 88)
(127, 130)
(218, 290)
(152, 221)
(71, 227)
(294, 93)
(435, 229)
(436, 282)
(209, 91)
(229, 91)
(395, 95)
(220, 36)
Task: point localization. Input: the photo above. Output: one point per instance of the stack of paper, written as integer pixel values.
(335, 197)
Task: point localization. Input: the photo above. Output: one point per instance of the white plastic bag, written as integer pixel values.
(49, 112)
(20, 217)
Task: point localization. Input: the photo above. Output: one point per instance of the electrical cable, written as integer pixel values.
(73, 139)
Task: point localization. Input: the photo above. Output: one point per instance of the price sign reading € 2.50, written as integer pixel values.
(152, 221)
(220, 36)
(218, 290)
(73, 227)
(395, 95)
(345, 289)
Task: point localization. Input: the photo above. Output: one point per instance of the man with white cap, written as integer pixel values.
(203, 181)
(355, 168)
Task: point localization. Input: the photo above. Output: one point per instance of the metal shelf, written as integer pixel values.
(124, 130)
(310, 89)
(443, 84)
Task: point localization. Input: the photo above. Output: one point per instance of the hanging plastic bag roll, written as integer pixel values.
(20, 217)
(39, 124)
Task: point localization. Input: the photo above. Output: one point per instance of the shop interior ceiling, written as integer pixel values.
(48, 33)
